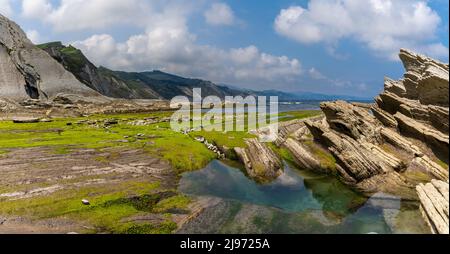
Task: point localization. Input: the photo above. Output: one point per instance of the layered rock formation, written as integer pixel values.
(400, 141)
(261, 163)
(29, 72)
(434, 205)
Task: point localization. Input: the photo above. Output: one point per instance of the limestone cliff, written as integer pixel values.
(27, 72)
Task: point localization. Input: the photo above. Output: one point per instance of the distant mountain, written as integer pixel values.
(130, 85)
(157, 84)
(300, 96)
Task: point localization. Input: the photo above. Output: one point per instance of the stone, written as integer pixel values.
(26, 120)
(85, 202)
(435, 205)
(434, 138)
(302, 156)
(384, 117)
(353, 121)
(433, 86)
(111, 122)
(261, 163)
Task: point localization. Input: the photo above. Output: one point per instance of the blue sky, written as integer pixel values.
(326, 46)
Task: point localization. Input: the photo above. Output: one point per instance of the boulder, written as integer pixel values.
(260, 161)
(26, 120)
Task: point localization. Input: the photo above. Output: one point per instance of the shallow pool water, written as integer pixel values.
(297, 202)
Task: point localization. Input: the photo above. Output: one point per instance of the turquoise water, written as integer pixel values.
(297, 202)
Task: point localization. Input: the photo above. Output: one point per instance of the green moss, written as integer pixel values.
(387, 148)
(176, 202)
(109, 205)
(225, 139)
(184, 153)
(417, 176)
(166, 227)
(441, 163)
(282, 153)
(260, 222)
(62, 150)
(326, 159)
(69, 201)
(301, 114)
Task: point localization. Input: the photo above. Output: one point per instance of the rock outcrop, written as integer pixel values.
(100, 79)
(29, 72)
(391, 146)
(434, 205)
(261, 163)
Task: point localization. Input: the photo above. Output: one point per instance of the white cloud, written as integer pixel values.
(72, 15)
(315, 74)
(5, 8)
(169, 46)
(34, 36)
(384, 26)
(220, 14)
(39, 9)
(165, 42)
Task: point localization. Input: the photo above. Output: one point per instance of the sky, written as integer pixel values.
(342, 47)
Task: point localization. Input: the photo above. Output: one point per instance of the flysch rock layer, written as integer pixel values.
(391, 146)
(261, 163)
(434, 205)
(27, 72)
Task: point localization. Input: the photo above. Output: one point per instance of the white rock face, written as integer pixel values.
(29, 72)
(12, 83)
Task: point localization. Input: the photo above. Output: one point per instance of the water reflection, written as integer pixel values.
(296, 202)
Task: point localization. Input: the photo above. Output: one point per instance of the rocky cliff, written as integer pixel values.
(27, 72)
(131, 85)
(401, 141)
(100, 79)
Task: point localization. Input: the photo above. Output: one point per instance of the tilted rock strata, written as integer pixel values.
(260, 161)
(434, 138)
(385, 147)
(435, 205)
(426, 79)
(304, 158)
